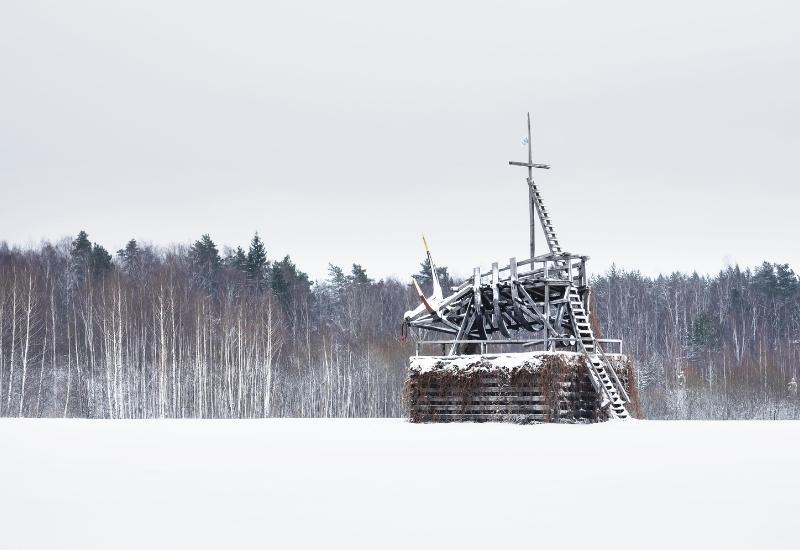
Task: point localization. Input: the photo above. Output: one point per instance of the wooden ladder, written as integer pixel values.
(604, 378)
(547, 225)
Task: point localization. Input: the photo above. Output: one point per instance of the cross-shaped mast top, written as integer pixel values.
(531, 165)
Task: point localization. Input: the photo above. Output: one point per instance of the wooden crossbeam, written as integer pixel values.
(530, 165)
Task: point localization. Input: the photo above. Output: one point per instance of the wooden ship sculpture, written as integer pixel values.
(537, 305)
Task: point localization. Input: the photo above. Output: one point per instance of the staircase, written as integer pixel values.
(547, 225)
(602, 374)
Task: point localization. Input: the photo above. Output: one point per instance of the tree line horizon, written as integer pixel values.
(255, 258)
(188, 331)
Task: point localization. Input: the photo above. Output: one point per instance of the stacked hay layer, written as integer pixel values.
(513, 387)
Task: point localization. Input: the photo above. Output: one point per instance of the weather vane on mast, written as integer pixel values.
(531, 186)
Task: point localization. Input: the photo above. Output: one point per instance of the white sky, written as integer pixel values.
(342, 130)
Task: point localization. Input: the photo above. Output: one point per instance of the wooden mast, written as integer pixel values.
(531, 189)
(531, 205)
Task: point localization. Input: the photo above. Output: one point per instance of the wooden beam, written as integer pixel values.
(530, 165)
(532, 303)
(498, 318)
(478, 302)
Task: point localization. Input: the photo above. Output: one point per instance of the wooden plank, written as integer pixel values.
(565, 392)
(466, 326)
(488, 416)
(501, 399)
(478, 302)
(515, 299)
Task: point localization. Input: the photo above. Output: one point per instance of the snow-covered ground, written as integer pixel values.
(389, 484)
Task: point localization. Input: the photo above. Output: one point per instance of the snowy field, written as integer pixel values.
(389, 484)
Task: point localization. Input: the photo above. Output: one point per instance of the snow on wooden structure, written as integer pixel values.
(540, 303)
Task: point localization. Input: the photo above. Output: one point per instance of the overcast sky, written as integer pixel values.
(341, 131)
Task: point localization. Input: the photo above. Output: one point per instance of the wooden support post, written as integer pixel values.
(531, 198)
(497, 315)
(515, 299)
(583, 271)
(532, 208)
(476, 290)
(546, 314)
(559, 319)
(586, 301)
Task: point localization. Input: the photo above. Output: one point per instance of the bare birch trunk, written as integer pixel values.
(28, 315)
(13, 342)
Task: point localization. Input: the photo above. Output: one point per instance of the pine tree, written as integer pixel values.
(287, 281)
(358, 275)
(337, 277)
(257, 261)
(786, 281)
(100, 260)
(765, 279)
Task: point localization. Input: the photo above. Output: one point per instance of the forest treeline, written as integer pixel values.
(192, 331)
(708, 347)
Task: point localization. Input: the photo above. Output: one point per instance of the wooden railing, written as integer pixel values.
(561, 267)
(486, 344)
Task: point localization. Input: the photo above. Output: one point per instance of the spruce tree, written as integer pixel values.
(81, 254)
(130, 257)
(204, 253)
(137, 260)
(257, 261)
(237, 260)
(81, 247)
(205, 260)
